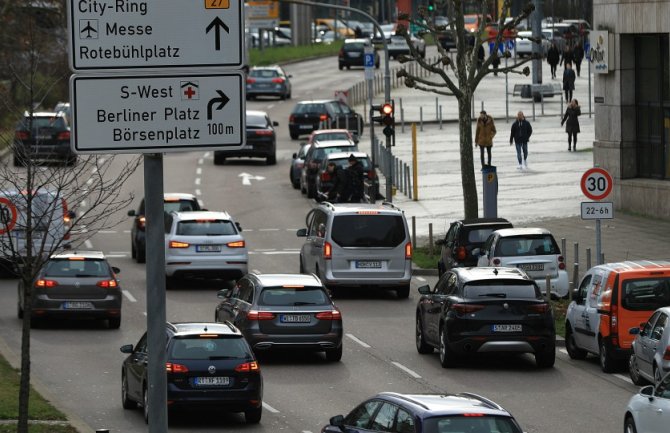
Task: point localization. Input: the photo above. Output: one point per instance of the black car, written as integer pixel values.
(308, 116)
(315, 155)
(261, 140)
(283, 311)
(463, 237)
(425, 413)
(352, 53)
(179, 202)
(478, 310)
(43, 136)
(208, 365)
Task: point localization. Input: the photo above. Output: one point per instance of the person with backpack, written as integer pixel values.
(338, 182)
(355, 185)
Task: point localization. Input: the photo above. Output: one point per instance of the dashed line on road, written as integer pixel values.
(201, 161)
(198, 192)
(207, 155)
(421, 279)
(270, 106)
(107, 232)
(198, 171)
(197, 181)
(563, 351)
(624, 378)
(356, 340)
(90, 181)
(270, 408)
(125, 253)
(88, 243)
(116, 256)
(407, 370)
(128, 295)
(274, 252)
(268, 230)
(83, 203)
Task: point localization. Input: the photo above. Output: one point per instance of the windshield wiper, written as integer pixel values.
(303, 303)
(216, 358)
(494, 295)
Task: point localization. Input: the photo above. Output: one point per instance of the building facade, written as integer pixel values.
(632, 102)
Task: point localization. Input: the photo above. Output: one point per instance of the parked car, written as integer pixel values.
(308, 116)
(463, 237)
(268, 81)
(297, 164)
(479, 310)
(330, 135)
(203, 245)
(533, 250)
(208, 364)
(283, 311)
(261, 140)
(358, 245)
(352, 53)
(611, 299)
(397, 45)
(650, 351)
(172, 201)
(524, 45)
(44, 136)
(424, 413)
(313, 158)
(324, 181)
(648, 411)
(77, 284)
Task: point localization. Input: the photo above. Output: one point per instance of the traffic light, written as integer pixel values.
(431, 6)
(386, 117)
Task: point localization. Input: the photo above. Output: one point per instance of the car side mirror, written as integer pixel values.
(424, 290)
(476, 252)
(301, 233)
(337, 421)
(223, 293)
(116, 270)
(126, 348)
(275, 123)
(648, 391)
(295, 156)
(634, 331)
(290, 75)
(239, 227)
(71, 214)
(131, 212)
(440, 242)
(575, 296)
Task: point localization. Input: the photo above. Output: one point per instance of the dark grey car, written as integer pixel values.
(283, 311)
(268, 81)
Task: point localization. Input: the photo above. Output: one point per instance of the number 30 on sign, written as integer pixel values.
(596, 183)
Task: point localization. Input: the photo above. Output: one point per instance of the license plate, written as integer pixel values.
(208, 248)
(532, 267)
(295, 318)
(305, 126)
(368, 264)
(506, 328)
(77, 305)
(354, 54)
(212, 381)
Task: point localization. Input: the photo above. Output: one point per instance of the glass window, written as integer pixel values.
(645, 294)
(56, 122)
(246, 293)
(319, 222)
(527, 245)
(381, 231)
(501, 289)
(309, 108)
(330, 136)
(663, 388)
(257, 121)
(263, 73)
(208, 348)
(451, 234)
(441, 288)
(141, 346)
(344, 163)
(650, 323)
(583, 287)
(659, 327)
(76, 268)
(178, 205)
(293, 296)
(360, 417)
(384, 419)
(479, 236)
(404, 422)
(467, 424)
(205, 227)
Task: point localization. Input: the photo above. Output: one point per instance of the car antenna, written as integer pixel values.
(495, 271)
(205, 328)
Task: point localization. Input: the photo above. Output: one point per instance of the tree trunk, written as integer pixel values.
(24, 386)
(470, 200)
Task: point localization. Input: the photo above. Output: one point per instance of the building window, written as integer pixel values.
(652, 103)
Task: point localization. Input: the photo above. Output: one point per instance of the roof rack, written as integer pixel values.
(388, 203)
(486, 401)
(408, 399)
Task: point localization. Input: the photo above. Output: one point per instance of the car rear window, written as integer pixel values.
(354, 46)
(471, 423)
(329, 136)
(344, 163)
(501, 289)
(55, 122)
(221, 347)
(309, 108)
(527, 245)
(256, 121)
(263, 73)
(382, 231)
(293, 296)
(206, 228)
(180, 206)
(645, 294)
(479, 235)
(76, 268)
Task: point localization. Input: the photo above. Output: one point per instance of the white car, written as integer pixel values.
(533, 250)
(648, 411)
(203, 244)
(397, 45)
(524, 46)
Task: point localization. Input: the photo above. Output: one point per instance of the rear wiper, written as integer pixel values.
(304, 303)
(494, 295)
(84, 275)
(216, 358)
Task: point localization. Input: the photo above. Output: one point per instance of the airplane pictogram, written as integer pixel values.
(91, 29)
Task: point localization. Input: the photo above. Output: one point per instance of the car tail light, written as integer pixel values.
(496, 262)
(325, 176)
(259, 315)
(66, 220)
(236, 244)
(538, 308)
(408, 250)
(561, 262)
(175, 368)
(264, 132)
(22, 135)
(461, 253)
(251, 80)
(177, 244)
(372, 175)
(291, 118)
(248, 367)
(141, 222)
(329, 315)
(327, 250)
(107, 284)
(666, 355)
(46, 283)
(278, 80)
(467, 308)
(473, 414)
(323, 117)
(65, 135)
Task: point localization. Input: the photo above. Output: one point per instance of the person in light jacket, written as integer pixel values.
(520, 135)
(572, 123)
(486, 130)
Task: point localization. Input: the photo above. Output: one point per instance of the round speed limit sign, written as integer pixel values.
(596, 183)
(8, 215)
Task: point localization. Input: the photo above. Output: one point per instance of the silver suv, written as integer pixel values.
(354, 245)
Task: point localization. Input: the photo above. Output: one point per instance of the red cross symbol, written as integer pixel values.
(189, 92)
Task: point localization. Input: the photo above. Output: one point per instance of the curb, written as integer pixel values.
(424, 272)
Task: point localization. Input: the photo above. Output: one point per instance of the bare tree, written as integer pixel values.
(460, 79)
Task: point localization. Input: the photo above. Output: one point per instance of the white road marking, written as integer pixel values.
(624, 378)
(270, 106)
(126, 231)
(421, 279)
(247, 178)
(200, 161)
(268, 230)
(118, 256)
(563, 351)
(270, 408)
(306, 431)
(107, 232)
(198, 171)
(128, 295)
(198, 192)
(206, 155)
(255, 271)
(88, 243)
(201, 203)
(278, 252)
(119, 252)
(94, 169)
(197, 181)
(83, 203)
(90, 181)
(406, 370)
(262, 250)
(356, 340)
(145, 313)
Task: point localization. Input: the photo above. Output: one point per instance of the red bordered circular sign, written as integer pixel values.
(596, 183)
(8, 215)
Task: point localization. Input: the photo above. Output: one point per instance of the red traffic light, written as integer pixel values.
(386, 109)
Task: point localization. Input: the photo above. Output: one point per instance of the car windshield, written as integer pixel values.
(645, 294)
(293, 296)
(208, 348)
(527, 245)
(383, 231)
(206, 227)
(330, 136)
(263, 73)
(501, 289)
(76, 268)
(180, 205)
(465, 424)
(309, 108)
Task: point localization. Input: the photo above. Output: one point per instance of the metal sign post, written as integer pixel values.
(369, 63)
(596, 184)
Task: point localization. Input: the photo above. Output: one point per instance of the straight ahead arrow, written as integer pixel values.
(217, 25)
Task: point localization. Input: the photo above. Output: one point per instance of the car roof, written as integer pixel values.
(357, 40)
(178, 196)
(333, 143)
(483, 221)
(256, 113)
(45, 114)
(202, 214)
(635, 266)
(316, 101)
(490, 273)
(344, 155)
(268, 280)
(352, 208)
(523, 231)
(95, 255)
(197, 328)
(447, 404)
(329, 131)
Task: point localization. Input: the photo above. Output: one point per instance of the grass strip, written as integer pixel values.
(39, 428)
(283, 54)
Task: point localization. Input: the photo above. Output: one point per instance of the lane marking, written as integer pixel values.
(406, 370)
(88, 243)
(421, 279)
(128, 295)
(270, 408)
(564, 351)
(145, 313)
(207, 154)
(255, 271)
(262, 250)
(356, 340)
(118, 252)
(270, 106)
(624, 378)
(102, 160)
(83, 203)
(200, 202)
(200, 161)
(94, 170)
(118, 256)
(126, 231)
(198, 171)
(107, 232)
(275, 252)
(197, 181)
(198, 192)
(90, 181)
(268, 230)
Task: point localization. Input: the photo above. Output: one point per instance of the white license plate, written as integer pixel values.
(506, 328)
(368, 264)
(354, 54)
(208, 248)
(212, 381)
(532, 267)
(295, 318)
(306, 127)
(77, 305)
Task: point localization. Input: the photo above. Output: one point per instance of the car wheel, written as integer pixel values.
(114, 322)
(402, 292)
(571, 345)
(311, 190)
(294, 136)
(219, 159)
(421, 345)
(334, 355)
(253, 416)
(271, 160)
(606, 360)
(657, 375)
(340, 66)
(446, 354)
(546, 358)
(634, 371)
(629, 425)
(145, 404)
(126, 402)
(141, 256)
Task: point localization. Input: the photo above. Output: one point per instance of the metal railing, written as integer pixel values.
(387, 163)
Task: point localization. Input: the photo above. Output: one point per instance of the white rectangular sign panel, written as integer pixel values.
(600, 51)
(149, 34)
(596, 210)
(157, 113)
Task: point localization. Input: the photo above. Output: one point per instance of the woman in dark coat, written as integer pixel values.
(572, 123)
(568, 81)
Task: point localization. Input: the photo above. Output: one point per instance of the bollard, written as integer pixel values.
(602, 257)
(402, 120)
(533, 108)
(542, 102)
(570, 289)
(430, 239)
(588, 258)
(482, 109)
(575, 270)
(421, 118)
(437, 109)
(564, 251)
(440, 117)
(547, 281)
(409, 181)
(414, 231)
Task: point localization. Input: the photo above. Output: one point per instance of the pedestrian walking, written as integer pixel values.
(520, 135)
(354, 191)
(578, 54)
(570, 118)
(553, 57)
(495, 62)
(480, 57)
(567, 56)
(568, 82)
(486, 130)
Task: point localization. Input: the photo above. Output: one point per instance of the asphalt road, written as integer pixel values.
(80, 362)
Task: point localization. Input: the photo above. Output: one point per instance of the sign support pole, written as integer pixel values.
(598, 243)
(156, 315)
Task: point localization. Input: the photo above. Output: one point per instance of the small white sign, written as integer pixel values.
(600, 51)
(597, 210)
(157, 113)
